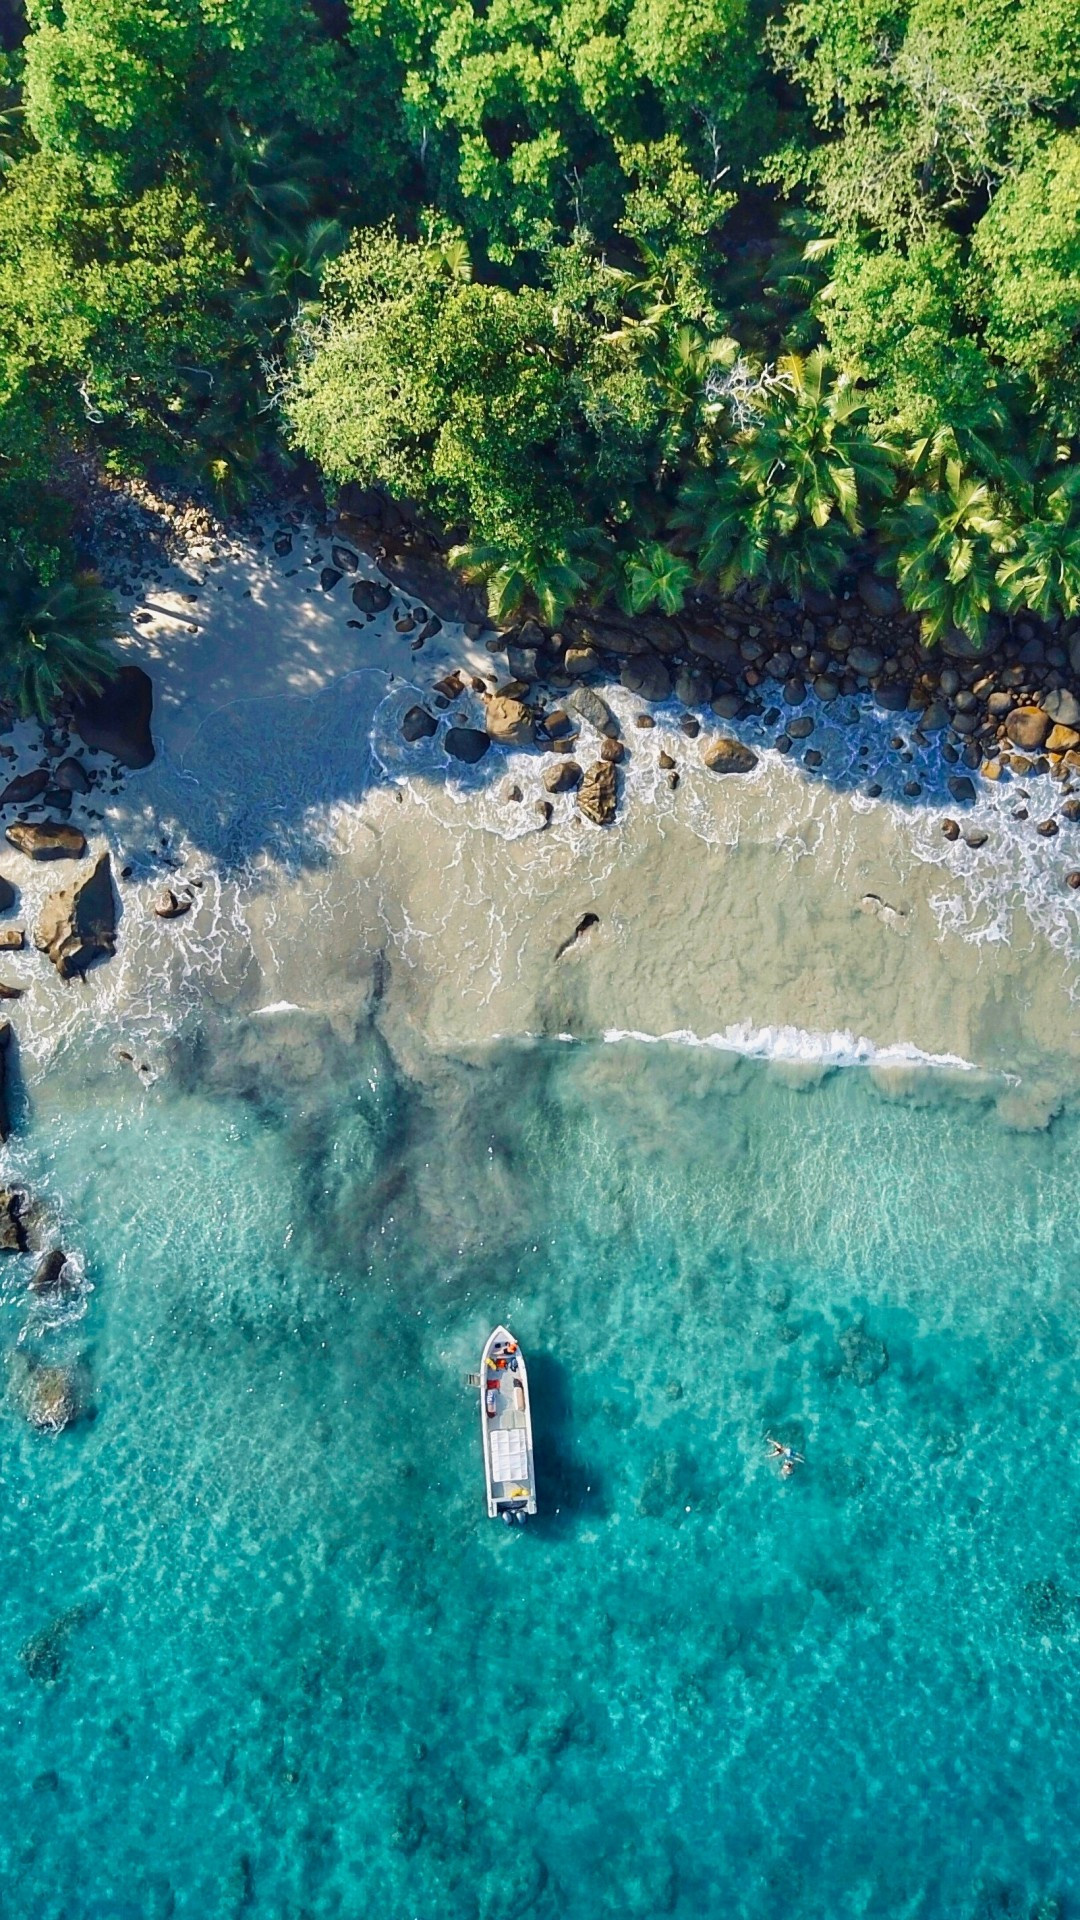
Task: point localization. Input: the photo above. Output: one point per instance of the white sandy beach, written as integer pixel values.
(777, 912)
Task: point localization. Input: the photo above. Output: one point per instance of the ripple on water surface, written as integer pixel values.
(275, 1660)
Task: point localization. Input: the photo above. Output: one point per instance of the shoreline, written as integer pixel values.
(344, 867)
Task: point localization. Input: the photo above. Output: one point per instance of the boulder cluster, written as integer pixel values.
(1009, 711)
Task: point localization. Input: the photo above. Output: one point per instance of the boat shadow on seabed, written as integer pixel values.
(564, 1485)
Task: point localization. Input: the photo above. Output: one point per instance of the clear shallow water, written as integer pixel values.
(307, 1677)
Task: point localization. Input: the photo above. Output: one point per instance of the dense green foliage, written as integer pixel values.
(637, 296)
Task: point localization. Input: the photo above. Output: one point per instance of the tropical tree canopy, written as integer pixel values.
(677, 294)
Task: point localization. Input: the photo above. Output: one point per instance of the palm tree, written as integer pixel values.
(655, 577)
(259, 177)
(289, 263)
(786, 503)
(710, 516)
(814, 449)
(1043, 574)
(949, 540)
(53, 639)
(518, 573)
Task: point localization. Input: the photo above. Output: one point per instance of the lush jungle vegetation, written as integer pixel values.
(634, 295)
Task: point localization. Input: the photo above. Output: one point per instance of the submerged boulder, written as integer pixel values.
(49, 1274)
(44, 1653)
(78, 923)
(117, 720)
(466, 743)
(418, 724)
(46, 1396)
(12, 1212)
(47, 839)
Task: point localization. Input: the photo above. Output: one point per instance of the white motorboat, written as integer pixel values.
(506, 1422)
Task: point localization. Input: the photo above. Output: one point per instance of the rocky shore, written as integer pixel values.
(1007, 713)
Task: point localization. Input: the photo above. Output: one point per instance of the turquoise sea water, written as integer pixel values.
(263, 1653)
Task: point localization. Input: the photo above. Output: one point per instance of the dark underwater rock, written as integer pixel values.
(5, 1111)
(466, 743)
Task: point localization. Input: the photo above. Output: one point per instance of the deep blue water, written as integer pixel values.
(295, 1670)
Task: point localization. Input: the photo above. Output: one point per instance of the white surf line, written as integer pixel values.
(837, 1049)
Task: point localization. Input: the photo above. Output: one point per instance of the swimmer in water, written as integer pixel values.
(787, 1456)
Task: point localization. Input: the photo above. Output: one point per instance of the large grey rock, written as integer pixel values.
(962, 788)
(648, 678)
(117, 720)
(935, 718)
(47, 839)
(692, 687)
(865, 661)
(1062, 706)
(614, 638)
(588, 705)
(597, 793)
(728, 706)
(508, 721)
(522, 662)
(424, 576)
(892, 697)
(466, 743)
(78, 923)
(729, 756)
(720, 648)
(961, 646)
(878, 597)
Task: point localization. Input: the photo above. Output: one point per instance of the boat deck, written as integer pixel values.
(508, 1434)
